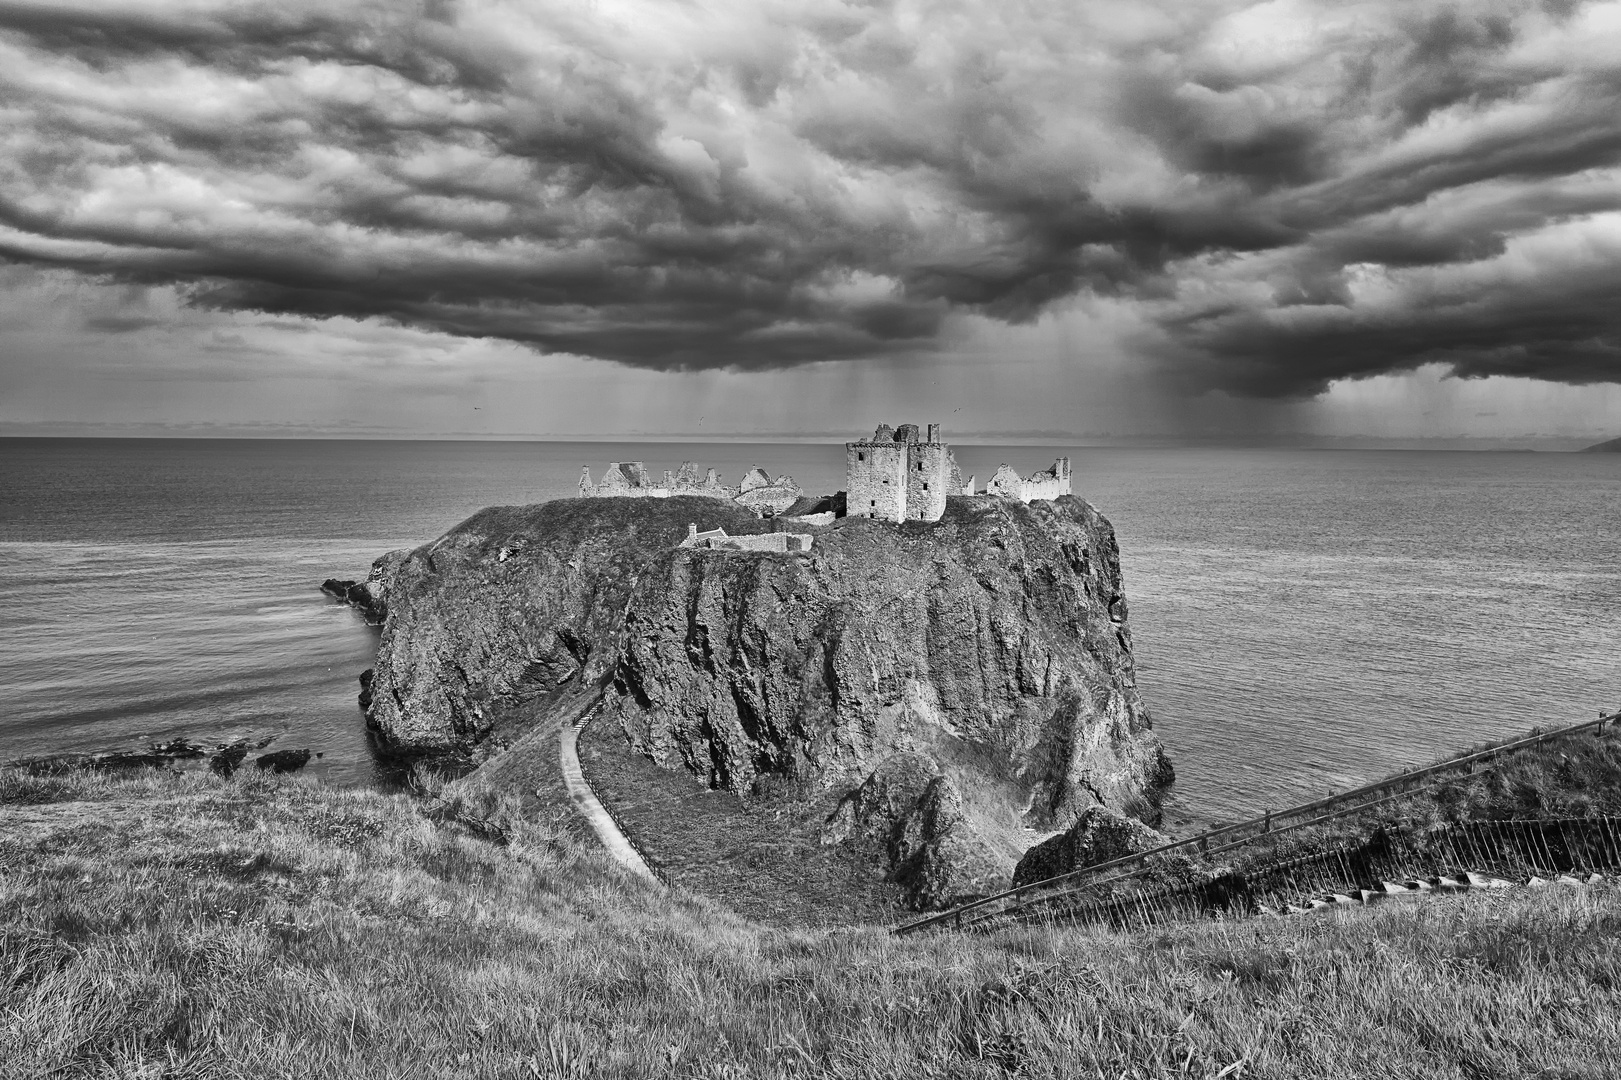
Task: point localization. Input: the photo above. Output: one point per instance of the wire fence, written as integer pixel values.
(1113, 876)
(1448, 857)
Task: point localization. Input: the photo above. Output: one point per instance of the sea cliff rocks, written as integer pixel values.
(1099, 835)
(366, 596)
(282, 761)
(916, 812)
(946, 684)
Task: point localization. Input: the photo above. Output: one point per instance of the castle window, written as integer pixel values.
(925, 485)
(860, 456)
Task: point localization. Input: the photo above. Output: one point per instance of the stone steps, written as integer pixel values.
(1417, 888)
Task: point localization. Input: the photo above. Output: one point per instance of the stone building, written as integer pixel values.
(765, 496)
(630, 479)
(1048, 484)
(898, 476)
(780, 543)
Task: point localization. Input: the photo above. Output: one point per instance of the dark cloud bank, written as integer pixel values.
(1287, 194)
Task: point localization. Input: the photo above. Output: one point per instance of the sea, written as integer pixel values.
(1303, 620)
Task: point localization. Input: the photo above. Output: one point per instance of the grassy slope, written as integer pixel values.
(185, 926)
(763, 858)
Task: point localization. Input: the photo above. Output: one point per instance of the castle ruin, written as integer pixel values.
(1047, 484)
(898, 476)
(630, 479)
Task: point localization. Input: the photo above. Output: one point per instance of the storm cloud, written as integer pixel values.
(1287, 194)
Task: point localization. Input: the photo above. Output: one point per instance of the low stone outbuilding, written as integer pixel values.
(780, 543)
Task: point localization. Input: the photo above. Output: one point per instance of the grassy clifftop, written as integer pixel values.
(186, 927)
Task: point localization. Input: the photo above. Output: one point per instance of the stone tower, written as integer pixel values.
(875, 477)
(898, 476)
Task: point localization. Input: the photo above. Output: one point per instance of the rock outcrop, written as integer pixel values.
(283, 761)
(945, 684)
(1099, 835)
(366, 596)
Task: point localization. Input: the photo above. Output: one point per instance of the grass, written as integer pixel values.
(161, 925)
(762, 857)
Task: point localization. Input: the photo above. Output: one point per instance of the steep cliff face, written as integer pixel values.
(514, 602)
(948, 685)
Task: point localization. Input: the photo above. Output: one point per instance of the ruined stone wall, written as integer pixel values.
(875, 478)
(771, 500)
(1006, 482)
(928, 481)
(1050, 484)
(630, 479)
(779, 543)
(625, 478)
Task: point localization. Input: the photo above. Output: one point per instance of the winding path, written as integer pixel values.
(586, 801)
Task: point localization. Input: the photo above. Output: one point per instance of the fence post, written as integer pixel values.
(1477, 844)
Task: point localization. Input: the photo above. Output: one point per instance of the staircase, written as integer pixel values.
(1131, 890)
(1448, 859)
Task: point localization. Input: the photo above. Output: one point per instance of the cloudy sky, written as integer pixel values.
(1390, 218)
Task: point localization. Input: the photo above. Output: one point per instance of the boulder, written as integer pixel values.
(283, 761)
(1098, 836)
(916, 812)
(224, 762)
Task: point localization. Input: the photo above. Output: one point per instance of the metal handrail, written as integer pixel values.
(1076, 880)
(1356, 873)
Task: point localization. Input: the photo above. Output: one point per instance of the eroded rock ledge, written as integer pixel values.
(948, 686)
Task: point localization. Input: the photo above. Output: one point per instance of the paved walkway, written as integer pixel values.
(586, 801)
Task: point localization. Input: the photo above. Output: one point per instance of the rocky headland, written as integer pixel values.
(945, 687)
